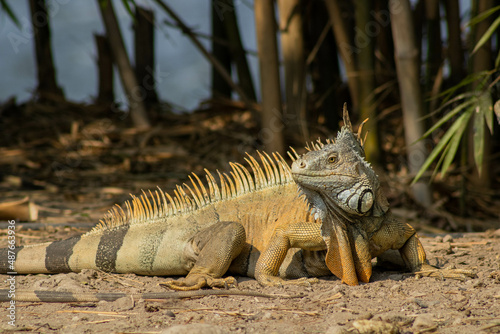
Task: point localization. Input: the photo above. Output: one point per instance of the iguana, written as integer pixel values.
(250, 224)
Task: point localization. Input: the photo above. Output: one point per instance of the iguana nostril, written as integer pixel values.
(302, 164)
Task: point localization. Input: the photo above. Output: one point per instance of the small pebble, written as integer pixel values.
(365, 316)
(194, 329)
(448, 238)
(423, 321)
(336, 329)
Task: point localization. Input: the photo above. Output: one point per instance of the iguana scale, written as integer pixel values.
(250, 224)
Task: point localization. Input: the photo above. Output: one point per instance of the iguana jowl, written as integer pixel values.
(357, 225)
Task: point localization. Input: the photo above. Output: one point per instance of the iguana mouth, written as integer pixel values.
(319, 174)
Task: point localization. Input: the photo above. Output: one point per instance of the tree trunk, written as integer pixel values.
(434, 43)
(406, 56)
(105, 68)
(145, 54)
(366, 79)
(292, 47)
(384, 64)
(220, 88)
(237, 52)
(455, 48)
(346, 47)
(47, 84)
(272, 123)
(323, 67)
(127, 75)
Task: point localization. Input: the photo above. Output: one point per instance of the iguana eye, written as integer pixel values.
(332, 159)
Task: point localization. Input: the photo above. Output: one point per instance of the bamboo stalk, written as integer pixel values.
(407, 61)
(292, 47)
(345, 47)
(127, 75)
(272, 125)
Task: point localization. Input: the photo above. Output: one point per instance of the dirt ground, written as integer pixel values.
(392, 301)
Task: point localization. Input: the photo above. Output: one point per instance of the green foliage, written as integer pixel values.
(10, 13)
(475, 107)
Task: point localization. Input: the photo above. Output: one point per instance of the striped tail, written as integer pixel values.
(51, 257)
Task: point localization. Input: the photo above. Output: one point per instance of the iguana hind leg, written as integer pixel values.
(305, 235)
(213, 249)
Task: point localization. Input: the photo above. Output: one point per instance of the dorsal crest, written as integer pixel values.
(345, 136)
(152, 205)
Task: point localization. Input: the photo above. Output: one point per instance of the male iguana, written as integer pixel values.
(251, 225)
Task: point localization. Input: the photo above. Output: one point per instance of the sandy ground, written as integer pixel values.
(392, 302)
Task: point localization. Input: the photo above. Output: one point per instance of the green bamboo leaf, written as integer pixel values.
(104, 3)
(487, 34)
(10, 13)
(127, 6)
(478, 140)
(497, 61)
(464, 82)
(445, 104)
(442, 144)
(496, 109)
(439, 147)
(440, 162)
(448, 116)
(482, 16)
(455, 141)
(485, 104)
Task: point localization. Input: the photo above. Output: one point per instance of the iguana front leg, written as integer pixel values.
(413, 255)
(214, 249)
(401, 236)
(304, 235)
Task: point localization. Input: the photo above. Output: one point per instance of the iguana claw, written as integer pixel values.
(277, 281)
(453, 273)
(198, 282)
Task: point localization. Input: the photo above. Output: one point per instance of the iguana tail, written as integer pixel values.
(144, 249)
(51, 257)
(88, 251)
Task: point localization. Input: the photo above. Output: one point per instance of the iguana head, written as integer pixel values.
(337, 177)
(343, 190)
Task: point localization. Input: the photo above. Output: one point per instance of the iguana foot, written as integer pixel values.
(453, 273)
(277, 281)
(198, 282)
